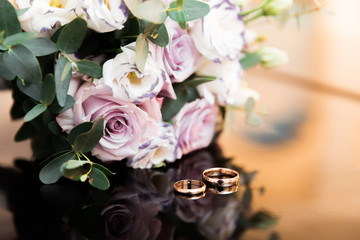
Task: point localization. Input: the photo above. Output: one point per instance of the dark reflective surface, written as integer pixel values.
(141, 204)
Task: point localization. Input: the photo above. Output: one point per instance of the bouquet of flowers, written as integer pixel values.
(139, 81)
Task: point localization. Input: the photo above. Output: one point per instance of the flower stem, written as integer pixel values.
(255, 9)
(260, 14)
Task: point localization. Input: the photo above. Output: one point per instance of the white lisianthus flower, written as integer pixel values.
(161, 148)
(222, 90)
(43, 16)
(271, 57)
(275, 7)
(127, 82)
(106, 15)
(219, 35)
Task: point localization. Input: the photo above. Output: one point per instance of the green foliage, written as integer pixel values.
(157, 34)
(20, 12)
(41, 46)
(85, 142)
(62, 79)
(250, 60)
(69, 103)
(72, 35)
(34, 112)
(106, 171)
(75, 169)
(90, 68)
(25, 132)
(30, 89)
(9, 22)
(22, 62)
(79, 129)
(47, 92)
(98, 179)
(18, 38)
(51, 172)
(142, 50)
(5, 72)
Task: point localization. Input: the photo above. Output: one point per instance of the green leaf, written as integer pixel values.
(179, 3)
(34, 112)
(250, 60)
(30, 89)
(22, 62)
(263, 220)
(178, 15)
(157, 34)
(171, 107)
(98, 179)
(70, 101)
(51, 172)
(85, 142)
(90, 68)
(153, 11)
(106, 171)
(8, 19)
(5, 72)
(75, 169)
(41, 46)
(25, 132)
(133, 5)
(18, 38)
(54, 128)
(20, 12)
(79, 129)
(62, 79)
(195, 9)
(142, 50)
(197, 80)
(72, 36)
(47, 93)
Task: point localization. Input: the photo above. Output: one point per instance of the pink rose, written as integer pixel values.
(126, 125)
(195, 125)
(180, 55)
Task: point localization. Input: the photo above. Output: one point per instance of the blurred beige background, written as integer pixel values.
(307, 151)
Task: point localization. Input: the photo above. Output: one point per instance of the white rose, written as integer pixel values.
(222, 90)
(127, 82)
(43, 16)
(105, 16)
(219, 35)
(162, 147)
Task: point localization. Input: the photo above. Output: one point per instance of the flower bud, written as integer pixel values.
(271, 57)
(275, 7)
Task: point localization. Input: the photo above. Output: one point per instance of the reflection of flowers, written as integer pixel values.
(220, 222)
(192, 168)
(127, 217)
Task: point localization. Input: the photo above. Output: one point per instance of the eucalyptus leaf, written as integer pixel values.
(197, 80)
(90, 68)
(85, 142)
(142, 50)
(171, 107)
(18, 38)
(106, 171)
(51, 172)
(9, 22)
(41, 46)
(157, 34)
(34, 112)
(54, 128)
(75, 169)
(79, 129)
(20, 12)
(62, 79)
(72, 35)
(153, 11)
(178, 15)
(250, 60)
(72, 164)
(22, 62)
(98, 179)
(5, 72)
(25, 132)
(195, 9)
(70, 101)
(133, 5)
(30, 89)
(47, 92)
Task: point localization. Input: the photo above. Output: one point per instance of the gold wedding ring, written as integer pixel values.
(220, 177)
(223, 190)
(189, 188)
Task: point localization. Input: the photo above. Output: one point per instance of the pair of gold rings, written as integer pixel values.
(215, 180)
